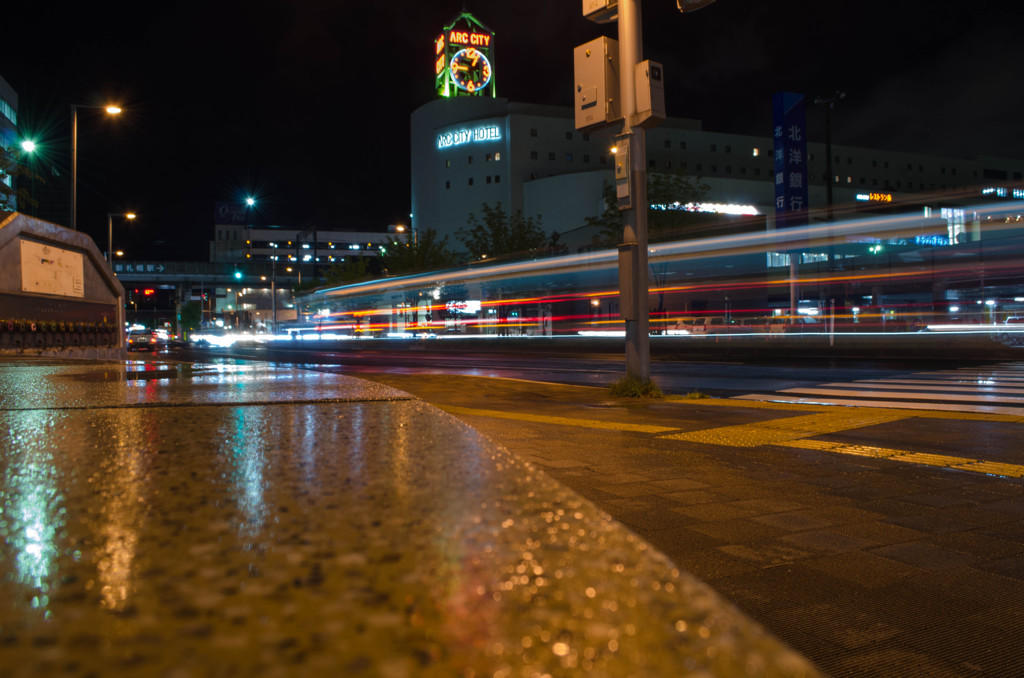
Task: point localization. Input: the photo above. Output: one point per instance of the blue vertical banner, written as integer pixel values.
(789, 118)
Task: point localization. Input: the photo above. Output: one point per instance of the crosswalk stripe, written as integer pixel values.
(884, 404)
(896, 394)
(919, 387)
(997, 390)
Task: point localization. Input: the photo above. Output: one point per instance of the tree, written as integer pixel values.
(11, 198)
(427, 252)
(190, 316)
(495, 234)
(671, 192)
(348, 270)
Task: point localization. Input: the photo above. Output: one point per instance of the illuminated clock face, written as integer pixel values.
(470, 69)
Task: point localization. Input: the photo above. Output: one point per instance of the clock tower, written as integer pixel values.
(464, 59)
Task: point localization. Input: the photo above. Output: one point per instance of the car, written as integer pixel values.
(145, 340)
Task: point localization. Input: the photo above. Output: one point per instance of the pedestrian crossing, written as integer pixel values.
(996, 389)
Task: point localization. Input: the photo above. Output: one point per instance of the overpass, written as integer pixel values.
(154, 290)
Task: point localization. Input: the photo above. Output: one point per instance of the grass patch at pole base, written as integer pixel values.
(631, 387)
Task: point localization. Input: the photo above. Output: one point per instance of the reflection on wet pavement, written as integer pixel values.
(353, 531)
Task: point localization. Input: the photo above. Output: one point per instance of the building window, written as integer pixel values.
(714, 148)
(497, 157)
(447, 184)
(714, 168)
(497, 178)
(700, 166)
(568, 157)
(874, 163)
(650, 163)
(757, 171)
(743, 172)
(487, 157)
(604, 160)
(551, 155)
(668, 164)
(568, 136)
(682, 145)
(533, 132)
(533, 155)
(668, 143)
(586, 157)
(728, 149)
(488, 178)
(447, 163)
(728, 169)
(586, 137)
(471, 181)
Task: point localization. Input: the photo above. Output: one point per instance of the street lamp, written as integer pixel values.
(30, 147)
(273, 291)
(830, 105)
(110, 230)
(111, 110)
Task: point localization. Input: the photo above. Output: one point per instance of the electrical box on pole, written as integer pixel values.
(649, 83)
(601, 11)
(620, 156)
(596, 70)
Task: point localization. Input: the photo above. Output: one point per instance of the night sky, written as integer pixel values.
(306, 103)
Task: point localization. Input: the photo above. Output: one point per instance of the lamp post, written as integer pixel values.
(112, 110)
(273, 291)
(830, 104)
(110, 231)
(29, 147)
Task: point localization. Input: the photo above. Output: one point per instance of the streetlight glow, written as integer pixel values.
(110, 230)
(28, 145)
(112, 110)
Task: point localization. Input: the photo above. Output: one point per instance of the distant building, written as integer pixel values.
(470, 151)
(236, 241)
(8, 122)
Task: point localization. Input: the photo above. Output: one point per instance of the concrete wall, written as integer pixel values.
(58, 296)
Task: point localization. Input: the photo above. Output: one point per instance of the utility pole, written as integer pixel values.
(633, 279)
(640, 104)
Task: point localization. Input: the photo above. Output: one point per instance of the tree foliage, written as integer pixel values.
(495, 234)
(190, 316)
(348, 270)
(673, 190)
(426, 252)
(11, 168)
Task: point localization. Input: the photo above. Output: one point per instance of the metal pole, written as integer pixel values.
(110, 236)
(828, 159)
(74, 167)
(633, 287)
